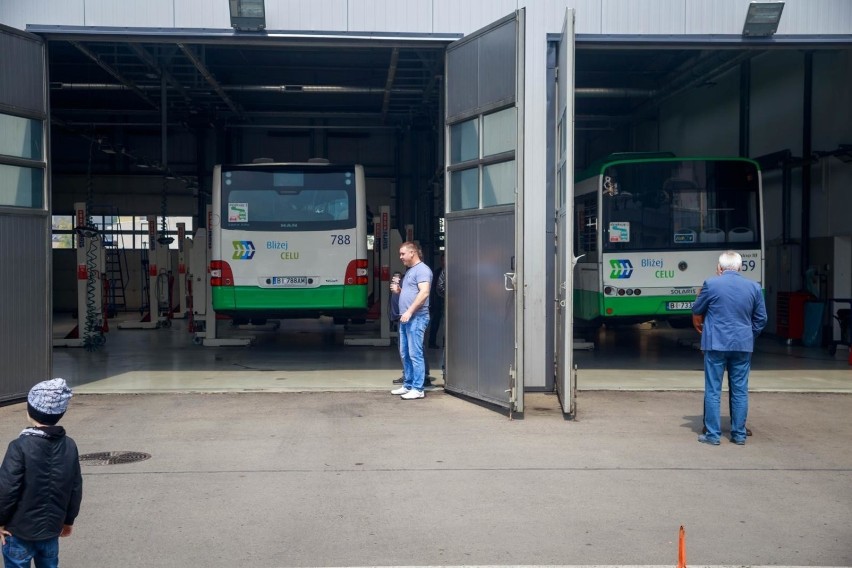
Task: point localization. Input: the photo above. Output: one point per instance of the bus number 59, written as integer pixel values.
(749, 265)
(344, 240)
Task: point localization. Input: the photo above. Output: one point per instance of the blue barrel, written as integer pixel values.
(812, 334)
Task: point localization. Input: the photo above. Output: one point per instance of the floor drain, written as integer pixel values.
(113, 458)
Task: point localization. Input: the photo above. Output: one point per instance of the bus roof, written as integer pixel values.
(597, 167)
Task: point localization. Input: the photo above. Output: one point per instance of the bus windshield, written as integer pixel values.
(680, 204)
(258, 200)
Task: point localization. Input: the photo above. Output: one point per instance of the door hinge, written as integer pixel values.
(512, 390)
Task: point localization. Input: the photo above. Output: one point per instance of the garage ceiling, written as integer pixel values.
(101, 83)
(106, 82)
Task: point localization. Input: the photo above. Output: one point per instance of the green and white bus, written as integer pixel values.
(288, 241)
(650, 228)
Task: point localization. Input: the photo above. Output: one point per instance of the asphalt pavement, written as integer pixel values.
(366, 479)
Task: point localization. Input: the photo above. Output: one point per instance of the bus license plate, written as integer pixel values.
(672, 306)
(289, 280)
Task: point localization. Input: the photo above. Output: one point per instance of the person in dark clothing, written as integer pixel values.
(436, 304)
(41, 485)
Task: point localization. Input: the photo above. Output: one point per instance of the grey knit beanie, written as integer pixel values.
(48, 401)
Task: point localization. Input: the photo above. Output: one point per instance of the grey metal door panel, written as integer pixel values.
(480, 335)
(482, 69)
(25, 311)
(21, 73)
(484, 333)
(565, 216)
(24, 321)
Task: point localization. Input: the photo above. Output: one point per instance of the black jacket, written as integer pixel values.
(40, 483)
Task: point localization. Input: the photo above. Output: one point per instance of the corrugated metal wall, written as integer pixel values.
(25, 337)
(22, 84)
(25, 341)
(801, 17)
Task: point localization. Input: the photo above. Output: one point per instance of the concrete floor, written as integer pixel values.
(362, 478)
(309, 355)
(366, 479)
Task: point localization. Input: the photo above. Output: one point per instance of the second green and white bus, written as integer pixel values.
(651, 228)
(289, 241)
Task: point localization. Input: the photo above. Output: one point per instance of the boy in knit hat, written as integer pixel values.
(40, 482)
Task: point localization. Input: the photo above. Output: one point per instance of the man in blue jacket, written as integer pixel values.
(734, 315)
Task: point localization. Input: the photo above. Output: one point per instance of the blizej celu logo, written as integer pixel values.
(621, 268)
(243, 250)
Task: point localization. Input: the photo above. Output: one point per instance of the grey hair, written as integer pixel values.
(730, 260)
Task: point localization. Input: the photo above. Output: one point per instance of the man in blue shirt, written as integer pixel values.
(734, 315)
(413, 320)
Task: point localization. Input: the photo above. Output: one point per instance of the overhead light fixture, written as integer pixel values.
(247, 15)
(762, 19)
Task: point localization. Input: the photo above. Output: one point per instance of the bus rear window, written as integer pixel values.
(266, 201)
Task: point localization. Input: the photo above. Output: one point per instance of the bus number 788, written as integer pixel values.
(345, 240)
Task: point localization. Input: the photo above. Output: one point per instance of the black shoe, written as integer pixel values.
(398, 381)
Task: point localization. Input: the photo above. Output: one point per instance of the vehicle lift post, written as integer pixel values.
(382, 242)
(159, 265)
(184, 246)
(88, 243)
(209, 337)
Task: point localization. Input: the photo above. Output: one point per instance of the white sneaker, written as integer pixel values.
(400, 390)
(412, 394)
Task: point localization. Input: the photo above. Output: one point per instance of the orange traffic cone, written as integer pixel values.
(681, 549)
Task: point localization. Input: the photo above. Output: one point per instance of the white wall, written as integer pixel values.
(703, 121)
(435, 16)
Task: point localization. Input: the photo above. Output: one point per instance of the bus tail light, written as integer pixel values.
(220, 273)
(356, 272)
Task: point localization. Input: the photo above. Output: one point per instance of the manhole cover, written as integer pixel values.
(112, 458)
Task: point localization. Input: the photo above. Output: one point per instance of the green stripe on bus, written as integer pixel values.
(589, 305)
(643, 305)
(254, 298)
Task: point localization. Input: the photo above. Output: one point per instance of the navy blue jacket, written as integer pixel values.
(734, 312)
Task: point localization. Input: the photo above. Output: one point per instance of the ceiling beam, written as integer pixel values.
(115, 74)
(149, 60)
(389, 82)
(210, 79)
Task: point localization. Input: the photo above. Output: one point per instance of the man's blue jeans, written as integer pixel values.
(738, 364)
(411, 336)
(17, 552)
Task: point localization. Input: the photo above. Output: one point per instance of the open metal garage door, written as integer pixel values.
(484, 221)
(25, 350)
(564, 215)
